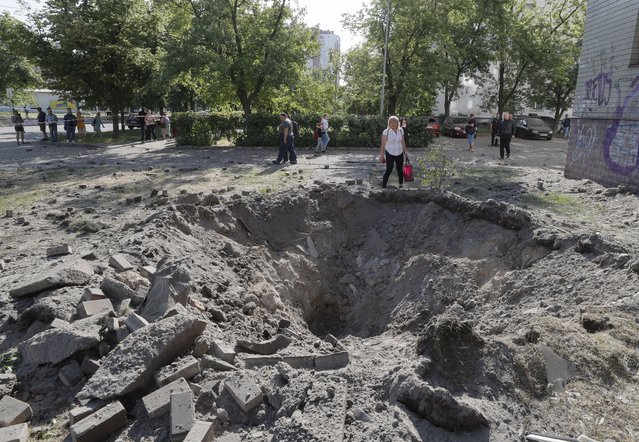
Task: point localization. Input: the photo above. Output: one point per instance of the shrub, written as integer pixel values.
(436, 167)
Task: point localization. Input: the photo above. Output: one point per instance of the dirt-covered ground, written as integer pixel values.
(505, 306)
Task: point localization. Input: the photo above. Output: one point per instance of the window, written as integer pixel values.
(634, 55)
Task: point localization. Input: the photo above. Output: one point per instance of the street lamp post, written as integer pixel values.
(386, 31)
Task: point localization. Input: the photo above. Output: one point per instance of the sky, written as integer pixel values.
(325, 13)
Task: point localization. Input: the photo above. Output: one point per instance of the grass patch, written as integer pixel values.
(556, 202)
(20, 200)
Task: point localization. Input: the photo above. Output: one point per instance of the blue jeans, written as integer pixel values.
(287, 150)
(325, 140)
(53, 129)
(566, 131)
(70, 133)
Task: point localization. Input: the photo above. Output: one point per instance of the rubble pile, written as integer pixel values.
(324, 315)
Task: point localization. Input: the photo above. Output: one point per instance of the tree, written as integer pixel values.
(246, 49)
(17, 71)
(410, 61)
(103, 52)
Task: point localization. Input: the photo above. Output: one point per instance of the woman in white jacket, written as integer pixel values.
(393, 150)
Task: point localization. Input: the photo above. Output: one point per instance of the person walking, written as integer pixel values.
(318, 136)
(70, 123)
(18, 125)
(325, 138)
(26, 112)
(471, 132)
(291, 153)
(494, 130)
(149, 122)
(97, 122)
(393, 150)
(566, 126)
(141, 120)
(165, 122)
(52, 122)
(42, 124)
(285, 138)
(506, 132)
(82, 128)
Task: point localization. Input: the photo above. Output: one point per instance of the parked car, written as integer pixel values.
(132, 121)
(433, 126)
(455, 126)
(533, 128)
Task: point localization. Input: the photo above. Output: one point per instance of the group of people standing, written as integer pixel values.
(148, 123)
(288, 133)
(49, 121)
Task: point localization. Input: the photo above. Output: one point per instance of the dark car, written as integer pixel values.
(433, 126)
(455, 126)
(532, 128)
(132, 121)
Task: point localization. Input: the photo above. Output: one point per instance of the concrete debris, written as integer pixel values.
(182, 414)
(332, 361)
(171, 285)
(558, 370)
(159, 402)
(79, 413)
(101, 424)
(59, 250)
(266, 347)
(8, 382)
(2, 265)
(186, 368)
(135, 322)
(13, 411)
(213, 363)
(120, 263)
(261, 361)
(54, 279)
(200, 432)
(132, 364)
(89, 365)
(97, 307)
(223, 351)
(245, 391)
(93, 294)
(306, 362)
(15, 433)
(59, 323)
(116, 290)
(148, 272)
(71, 373)
(311, 247)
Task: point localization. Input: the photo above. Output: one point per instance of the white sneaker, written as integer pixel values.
(72, 141)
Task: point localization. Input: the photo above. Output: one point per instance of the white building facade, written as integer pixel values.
(329, 43)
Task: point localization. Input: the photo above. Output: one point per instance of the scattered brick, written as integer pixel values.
(246, 392)
(79, 413)
(89, 365)
(183, 368)
(147, 272)
(200, 432)
(120, 263)
(13, 411)
(210, 362)
(182, 414)
(59, 250)
(261, 361)
(70, 374)
(93, 294)
(99, 425)
(135, 322)
(15, 433)
(90, 308)
(159, 402)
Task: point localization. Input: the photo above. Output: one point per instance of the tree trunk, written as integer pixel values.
(122, 120)
(114, 119)
(447, 100)
(500, 93)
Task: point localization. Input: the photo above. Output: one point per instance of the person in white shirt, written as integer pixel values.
(324, 134)
(393, 150)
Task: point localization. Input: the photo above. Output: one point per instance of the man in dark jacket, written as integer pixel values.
(42, 117)
(70, 122)
(506, 132)
(494, 130)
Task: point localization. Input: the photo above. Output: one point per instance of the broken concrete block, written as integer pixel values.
(135, 322)
(79, 413)
(89, 365)
(2, 264)
(142, 353)
(311, 247)
(300, 362)
(261, 361)
(245, 391)
(70, 374)
(99, 425)
(116, 290)
(59, 323)
(15, 433)
(57, 344)
(8, 382)
(182, 414)
(158, 402)
(59, 250)
(170, 286)
(332, 361)
(148, 272)
(200, 432)
(113, 324)
(13, 411)
(53, 279)
(93, 294)
(120, 263)
(99, 306)
(186, 368)
(266, 347)
(176, 310)
(223, 351)
(8, 214)
(558, 370)
(121, 334)
(213, 363)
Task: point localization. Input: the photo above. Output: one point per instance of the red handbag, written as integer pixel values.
(408, 171)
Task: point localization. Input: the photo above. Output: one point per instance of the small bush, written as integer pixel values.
(436, 167)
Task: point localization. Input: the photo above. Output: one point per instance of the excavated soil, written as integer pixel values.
(448, 308)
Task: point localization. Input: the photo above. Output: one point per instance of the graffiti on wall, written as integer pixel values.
(621, 144)
(598, 89)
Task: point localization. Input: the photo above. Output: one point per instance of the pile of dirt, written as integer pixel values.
(340, 313)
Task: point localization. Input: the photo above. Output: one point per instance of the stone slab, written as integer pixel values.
(186, 368)
(64, 249)
(13, 411)
(99, 425)
(200, 432)
(59, 323)
(120, 263)
(159, 402)
(213, 363)
(182, 414)
(261, 361)
(78, 413)
(133, 363)
(90, 308)
(135, 322)
(147, 272)
(92, 294)
(558, 370)
(333, 361)
(245, 391)
(89, 365)
(54, 279)
(300, 362)
(116, 290)
(223, 351)
(70, 374)
(15, 433)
